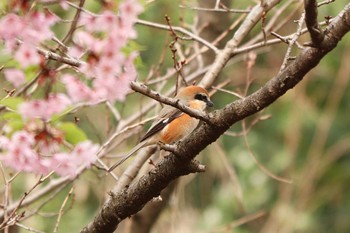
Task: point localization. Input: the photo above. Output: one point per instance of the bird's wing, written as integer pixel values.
(163, 120)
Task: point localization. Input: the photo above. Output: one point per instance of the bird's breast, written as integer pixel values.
(178, 129)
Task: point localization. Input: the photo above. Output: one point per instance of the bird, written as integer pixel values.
(172, 124)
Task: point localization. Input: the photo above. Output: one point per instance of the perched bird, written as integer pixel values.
(172, 124)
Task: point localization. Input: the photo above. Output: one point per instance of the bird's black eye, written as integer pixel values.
(200, 96)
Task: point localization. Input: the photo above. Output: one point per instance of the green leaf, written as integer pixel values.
(57, 117)
(13, 120)
(12, 102)
(15, 125)
(72, 133)
(10, 116)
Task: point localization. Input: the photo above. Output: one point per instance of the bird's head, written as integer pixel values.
(195, 96)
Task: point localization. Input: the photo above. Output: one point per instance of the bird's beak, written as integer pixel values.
(210, 103)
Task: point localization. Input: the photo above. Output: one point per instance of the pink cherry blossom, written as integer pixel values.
(21, 158)
(22, 152)
(48, 147)
(130, 9)
(107, 21)
(11, 45)
(33, 27)
(89, 42)
(57, 103)
(44, 109)
(90, 22)
(4, 142)
(11, 25)
(110, 70)
(85, 40)
(85, 153)
(28, 31)
(67, 164)
(88, 69)
(38, 27)
(23, 138)
(27, 55)
(63, 165)
(125, 29)
(75, 51)
(76, 89)
(105, 88)
(33, 109)
(14, 76)
(129, 67)
(107, 67)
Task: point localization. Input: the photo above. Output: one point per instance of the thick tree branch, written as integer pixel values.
(317, 35)
(131, 199)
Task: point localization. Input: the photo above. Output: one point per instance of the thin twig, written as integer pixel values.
(241, 221)
(232, 175)
(51, 196)
(74, 24)
(181, 30)
(27, 228)
(169, 101)
(261, 166)
(245, 132)
(229, 92)
(222, 58)
(13, 213)
(61, 211)
(219, 10)
(292, 42)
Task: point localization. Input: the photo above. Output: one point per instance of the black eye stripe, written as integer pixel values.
(201, 97)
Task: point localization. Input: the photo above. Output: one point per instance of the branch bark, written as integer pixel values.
(317, 35)
(169, 101)
(132, 199)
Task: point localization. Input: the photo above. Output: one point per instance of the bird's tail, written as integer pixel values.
(125, 157)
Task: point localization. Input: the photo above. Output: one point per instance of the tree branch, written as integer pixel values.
(54, 56)
(181, 30)
(222, 58)
(143, 89)
(131, 199)
(317, 35)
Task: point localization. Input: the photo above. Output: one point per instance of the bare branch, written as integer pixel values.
(169, 101)
(32, 197)
(60, 213)
(68, 37)
(316, 33)
(241, 221)
(181, 30)
(222, 58)
(216, 9)
(292, 41)
(54, 56)
(13, 215)
(261, 166)
(27, 228)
